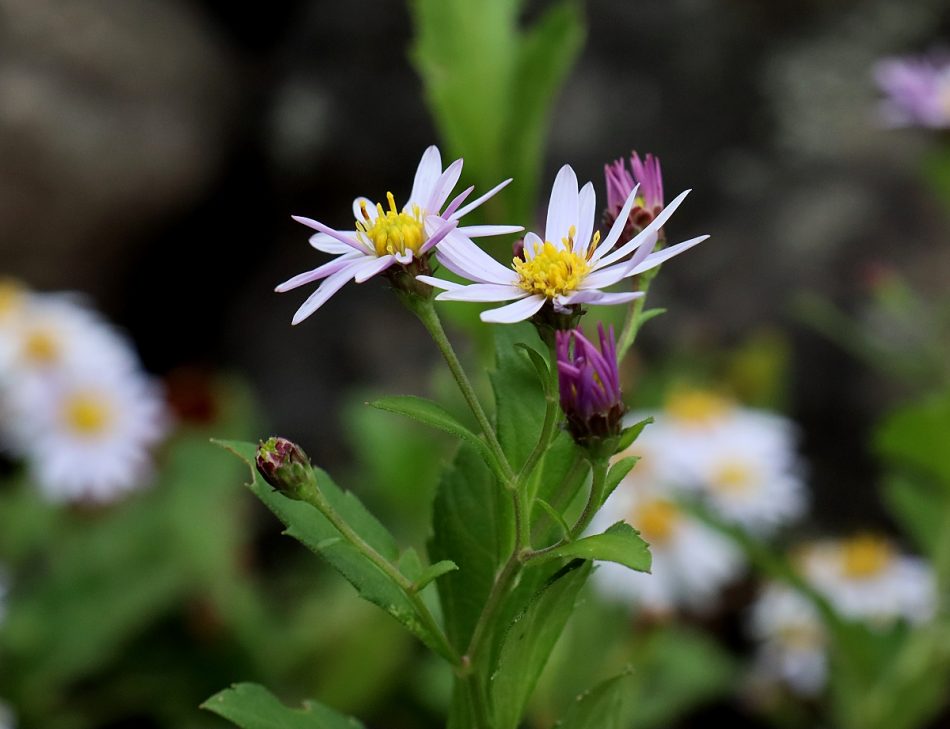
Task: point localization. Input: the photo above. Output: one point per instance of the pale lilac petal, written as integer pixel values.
(607, 276)
(655, 259)
(562, 208)
(586, 204)
(443, 187)
(329, 287)
(316, 274)
(441, 229)
(427, 173)
(484, 292)
(473, 261)
(458, 214)
(328, 244)
(403, 257)
(349, 240)
(371, 268)
(532, 240)
(616, 229)
(482, 231)
(371, 210)
(646, 233)
(601, 298)
(459, 199)
(518, 311)
(440, 283)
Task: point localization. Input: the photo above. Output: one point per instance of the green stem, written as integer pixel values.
(312, 495)
(632, 322)
(495, 598)
(548, 427)
(477, 699)
(425, 311)
(598, 480)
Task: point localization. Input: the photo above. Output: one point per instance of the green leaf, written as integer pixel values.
(430, 413)
(530, 640)
(621, 543)
(308, 526)
(538, 361)
(433, 572)
(919, 507)
(519, 399)
(629, 435)
(617, 473)
(250, 706)
(645, 316)
(602, 707)
(916, 437)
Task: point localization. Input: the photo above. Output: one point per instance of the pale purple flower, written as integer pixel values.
(569, 267)
(917, 91)
(621, 181)
(589, 383)
(390, 236)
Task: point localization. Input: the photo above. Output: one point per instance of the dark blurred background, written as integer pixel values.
(151, 154)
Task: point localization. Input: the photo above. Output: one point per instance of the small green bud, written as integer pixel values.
(284, 465)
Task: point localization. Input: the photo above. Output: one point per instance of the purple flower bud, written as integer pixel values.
(589, 382)
(621, 181)
(284, 465)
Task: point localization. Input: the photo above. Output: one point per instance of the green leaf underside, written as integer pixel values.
(617, 473)
(307, 525)
(621, 543)
(529, 641)
(250, 706)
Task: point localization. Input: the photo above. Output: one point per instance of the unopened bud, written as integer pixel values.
(284, 465)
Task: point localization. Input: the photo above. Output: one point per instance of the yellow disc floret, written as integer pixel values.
(865, 556)
(393, 231)
(41, 347)
(732, 477)
(656, 520)
(697, 407)
(552, 270)
(86, 414)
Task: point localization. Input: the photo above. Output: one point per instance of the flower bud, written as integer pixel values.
(620, 183)
(284, 465)
(589, 383)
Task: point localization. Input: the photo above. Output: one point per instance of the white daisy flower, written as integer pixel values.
(866, 578)
(691, 562)
(388, 236)
(88, 432)
(792, 641)
(569, 266)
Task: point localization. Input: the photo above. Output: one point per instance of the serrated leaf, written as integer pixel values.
(617, 473)
(530, 640)
(602, 707)
(630, 434)
(308, 526)
(621, 543)
(432, 414)
(250, 706)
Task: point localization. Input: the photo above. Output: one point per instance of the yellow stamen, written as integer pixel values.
(593, 244)
(393, 231)
(553, 270)
(656, 520)
(732, 477)
(866, 556)
(86, 414)
(41, 347)
(696, 407)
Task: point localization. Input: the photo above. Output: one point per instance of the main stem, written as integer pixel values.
(631, 324)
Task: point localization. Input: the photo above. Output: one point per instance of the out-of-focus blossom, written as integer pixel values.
(589, 384)
(691, 562)
(916, 89)
(867, 578)
(568, 268)
(792, 641)
(645, 176)
(388, 236)
(7, 720)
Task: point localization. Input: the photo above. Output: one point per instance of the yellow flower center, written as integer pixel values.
(866, 556)
(732, 477)
(86, 414)
(554, 270)
(41, 347)
(696, 407)
(393, 231)
(11, 297)
(656, 520)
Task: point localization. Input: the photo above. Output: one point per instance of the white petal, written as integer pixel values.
(482, 231)
(600, 298)
(403, 257)
(617, 228)
(372, 267)
(476, 264)
(532, 240)
(346, 237)
(370, 210)
(586, 204)
(319, 297)
(443, 187)
(328, 244)
(645, 234)
(427, 173)
(484, 292)
(461, 212)
(655, 259)
(327, 269)
(440, 283)
(518, 311)
(606, 276)
(562, 208)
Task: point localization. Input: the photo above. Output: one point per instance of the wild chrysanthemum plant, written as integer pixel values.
(512, 543)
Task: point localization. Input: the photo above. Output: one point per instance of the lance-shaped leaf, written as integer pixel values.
(530, 640)
(617, 473)
(621, 543)
(631, 433)
(602, 707)
(250, 706)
